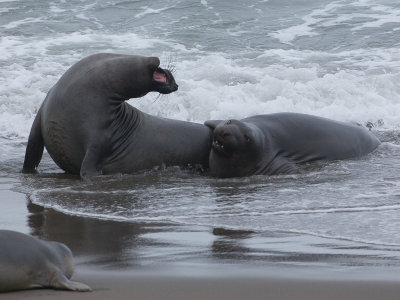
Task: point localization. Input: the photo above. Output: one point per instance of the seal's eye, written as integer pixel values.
(247, 138)
(228, 122)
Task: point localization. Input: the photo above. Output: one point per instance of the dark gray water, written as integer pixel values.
(337, 59)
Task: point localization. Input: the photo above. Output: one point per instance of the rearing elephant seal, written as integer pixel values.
(27, 262)
(275, 143)
(89, 129)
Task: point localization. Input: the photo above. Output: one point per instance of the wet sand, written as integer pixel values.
(100, 246)
(114, 285)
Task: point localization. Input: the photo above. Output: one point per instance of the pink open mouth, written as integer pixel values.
(160, 77)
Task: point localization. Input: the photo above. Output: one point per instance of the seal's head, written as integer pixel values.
(145, 75)
(64, 258)
(234, 149)
(120, 77)
(163, 81)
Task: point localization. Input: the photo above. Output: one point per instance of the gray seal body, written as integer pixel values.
(27, 262)
(88, 128)
(276, 143)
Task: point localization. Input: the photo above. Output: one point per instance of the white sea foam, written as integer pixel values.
(17, 46)
(384, 15)
(207, 6)
(56, 9)
(373, 15)
(213, 87)
(149, 10)
(336, 210)
(287, 35)
(18, 23)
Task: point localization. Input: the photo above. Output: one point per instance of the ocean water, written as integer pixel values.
(233, 59)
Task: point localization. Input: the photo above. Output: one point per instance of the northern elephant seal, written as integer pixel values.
(88, 128)
(27, 262)
(276, 143)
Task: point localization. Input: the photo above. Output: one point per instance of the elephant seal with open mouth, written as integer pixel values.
(88, 128)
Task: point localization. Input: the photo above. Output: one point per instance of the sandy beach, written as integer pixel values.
(114, 285)
(101, 264)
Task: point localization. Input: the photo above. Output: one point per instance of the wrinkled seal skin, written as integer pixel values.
(276, 143)
(27, 262)
(88, 128)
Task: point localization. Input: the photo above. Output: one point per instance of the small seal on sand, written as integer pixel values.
(27, 262)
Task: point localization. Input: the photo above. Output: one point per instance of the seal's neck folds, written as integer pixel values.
(125, 121)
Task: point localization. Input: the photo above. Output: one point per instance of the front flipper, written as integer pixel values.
(92, 162)
(34, 149)
(59, 281)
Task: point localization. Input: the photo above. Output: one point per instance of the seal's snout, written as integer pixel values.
(171, 81)
(163, 81)
(218, 145)
(222, 141)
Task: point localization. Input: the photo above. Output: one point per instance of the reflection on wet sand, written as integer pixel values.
(122, 244)
(107, 242)
(114, 245)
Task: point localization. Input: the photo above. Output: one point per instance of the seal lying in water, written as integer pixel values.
(275, 143)
(89, 129)
(27, 262)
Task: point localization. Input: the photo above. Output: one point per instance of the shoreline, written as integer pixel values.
(114, 271)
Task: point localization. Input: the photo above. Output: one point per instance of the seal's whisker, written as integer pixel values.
(172, 68)
(170, 65)
(157, 97)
